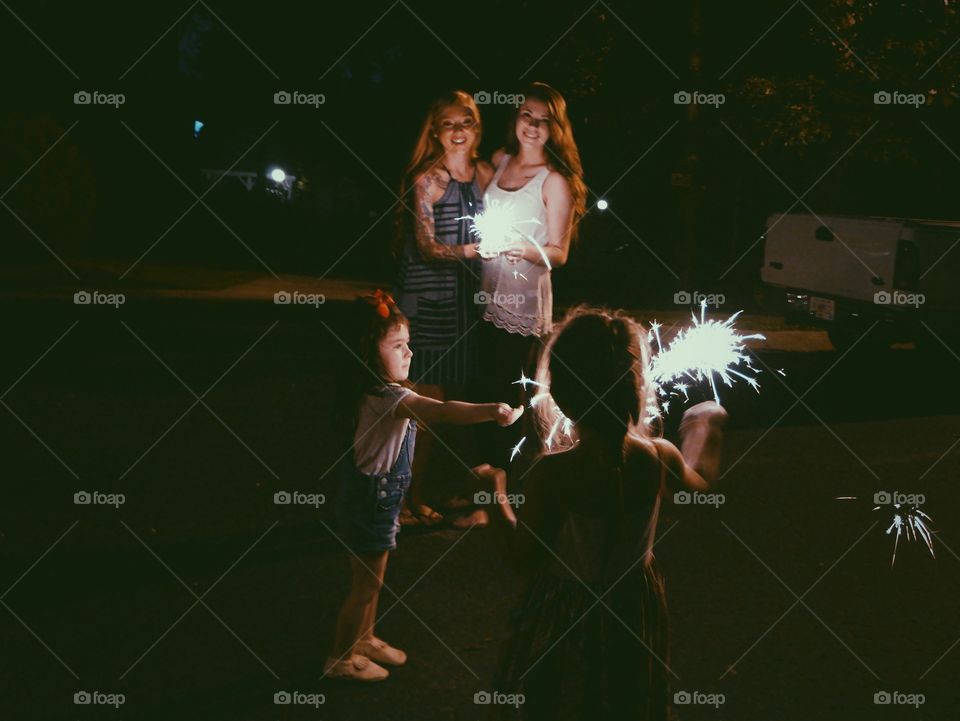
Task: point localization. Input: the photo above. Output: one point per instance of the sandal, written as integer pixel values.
(427, 516)
(407, 518)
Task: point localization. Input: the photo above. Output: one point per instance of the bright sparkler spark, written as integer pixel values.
(498, 230)
(524, 381)
(515, 451)
(655, 333)
(560, 421)
(908, 521)
(914, 521)
(553, 429)
(707, 349)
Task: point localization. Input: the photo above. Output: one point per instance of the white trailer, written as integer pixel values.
(847, 272)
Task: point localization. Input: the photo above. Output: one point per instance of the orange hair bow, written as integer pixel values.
(381, 302)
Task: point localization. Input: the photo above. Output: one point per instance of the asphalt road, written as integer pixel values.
(198, 597)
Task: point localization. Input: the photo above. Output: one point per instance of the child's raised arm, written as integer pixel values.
(428, 410)
(698, 465)
(680, 476)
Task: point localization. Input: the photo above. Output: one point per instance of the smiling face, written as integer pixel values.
(395, 353)
(457, 130)
(533, 123)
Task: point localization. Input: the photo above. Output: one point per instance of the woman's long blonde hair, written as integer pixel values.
(426, 154)
(561, 149)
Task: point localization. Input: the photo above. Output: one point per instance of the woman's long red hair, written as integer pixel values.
(562, 153)
(426, 154)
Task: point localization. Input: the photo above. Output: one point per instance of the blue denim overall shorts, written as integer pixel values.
(368, 508)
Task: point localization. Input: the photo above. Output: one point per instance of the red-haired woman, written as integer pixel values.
(539, 181)
(439, 271)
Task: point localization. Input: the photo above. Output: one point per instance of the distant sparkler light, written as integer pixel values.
(908, 521)
(911, 522)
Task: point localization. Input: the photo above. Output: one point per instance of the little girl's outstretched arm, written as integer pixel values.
(429, 410)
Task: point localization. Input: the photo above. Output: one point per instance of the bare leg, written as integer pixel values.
(366, 628)
(367, 572)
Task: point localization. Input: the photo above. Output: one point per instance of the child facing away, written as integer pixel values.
(375, 475)
(588, 639)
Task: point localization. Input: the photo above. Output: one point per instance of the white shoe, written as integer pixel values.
(354, 668)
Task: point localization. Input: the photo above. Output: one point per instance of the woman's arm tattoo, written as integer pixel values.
(427, 243)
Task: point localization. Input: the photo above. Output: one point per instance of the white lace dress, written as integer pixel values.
(519, 296)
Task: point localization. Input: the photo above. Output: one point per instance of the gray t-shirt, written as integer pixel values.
(379, 435)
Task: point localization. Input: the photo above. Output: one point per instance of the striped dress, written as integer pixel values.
(438, 297)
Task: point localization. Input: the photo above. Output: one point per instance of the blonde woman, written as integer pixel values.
(439, 267)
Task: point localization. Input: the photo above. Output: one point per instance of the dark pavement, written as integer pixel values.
(199, 598)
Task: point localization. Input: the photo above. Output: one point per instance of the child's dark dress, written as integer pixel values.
(574, 658)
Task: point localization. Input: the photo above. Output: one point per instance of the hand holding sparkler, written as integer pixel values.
(702, 432)
(500, 234)
(513, 253)
(707, 350)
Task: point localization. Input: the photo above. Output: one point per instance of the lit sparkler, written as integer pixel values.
(911, 522)
(707, 350)
(498, 230)
(908, 521)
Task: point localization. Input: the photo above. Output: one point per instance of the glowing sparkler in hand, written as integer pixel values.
(499, 232)
(707, 349)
